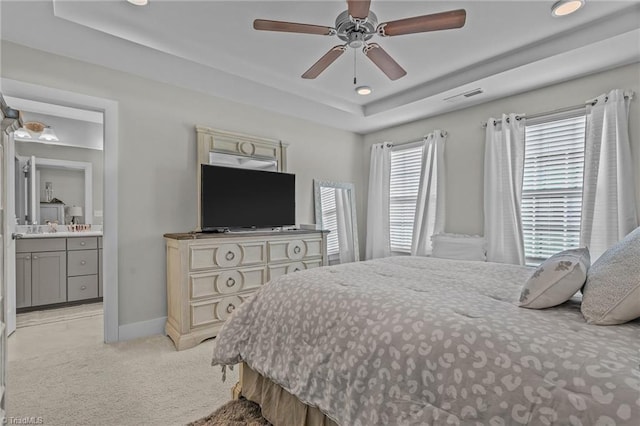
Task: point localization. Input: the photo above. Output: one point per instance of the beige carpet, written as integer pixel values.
(63, 373)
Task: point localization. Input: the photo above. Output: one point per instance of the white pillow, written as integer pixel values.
(556, 279)
(612, 292)
(459, 246)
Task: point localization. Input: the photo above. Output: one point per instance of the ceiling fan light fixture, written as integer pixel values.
(566, 7)
(363, 90)
(356, 25)
(138, 2)
(48, 135)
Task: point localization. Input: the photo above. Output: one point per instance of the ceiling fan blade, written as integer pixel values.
(291, 27)
(383, 61)
(421, 24)
(359, 8)
(324, 62)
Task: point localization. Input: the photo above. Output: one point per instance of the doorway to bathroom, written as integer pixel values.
(63, 263)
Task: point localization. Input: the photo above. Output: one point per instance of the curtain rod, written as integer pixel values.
(592, 102)
(443, 133)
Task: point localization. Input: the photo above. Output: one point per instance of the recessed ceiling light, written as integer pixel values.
(363, 90)
(566, 7)
(139, 2)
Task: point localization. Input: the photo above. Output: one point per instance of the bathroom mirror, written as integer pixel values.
(335, 210)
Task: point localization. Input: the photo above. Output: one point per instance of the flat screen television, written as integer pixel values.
(244, 198)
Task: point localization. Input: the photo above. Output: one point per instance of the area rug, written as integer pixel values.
(241, 412)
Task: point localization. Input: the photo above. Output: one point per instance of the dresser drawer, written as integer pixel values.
(216, 311)
(288, 268)
(82, 243)
(82, 262)
(220, 283)
(288, 250)
(84, 287)
(226, 255)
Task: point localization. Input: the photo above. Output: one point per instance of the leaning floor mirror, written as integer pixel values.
(335, 207)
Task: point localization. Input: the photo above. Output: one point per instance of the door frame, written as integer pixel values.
(109, 108)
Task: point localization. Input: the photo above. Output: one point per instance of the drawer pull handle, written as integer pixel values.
(297, 249)
(83, 243)
(27, 258)
(231, 282)
(230, 255)
(35, 257)
(83, 262)
(83, 287)
(230, 308)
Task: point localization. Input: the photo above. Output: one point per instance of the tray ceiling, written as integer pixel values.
(506, 47)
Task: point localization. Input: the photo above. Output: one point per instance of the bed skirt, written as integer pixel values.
(279, 406)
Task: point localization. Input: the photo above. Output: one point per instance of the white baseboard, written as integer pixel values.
(141, 329)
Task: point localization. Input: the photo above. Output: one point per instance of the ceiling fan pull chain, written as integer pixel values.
(355, 81)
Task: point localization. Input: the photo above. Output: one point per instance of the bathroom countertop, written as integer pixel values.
(61, 234)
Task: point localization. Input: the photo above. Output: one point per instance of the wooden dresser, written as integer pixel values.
(209, 275)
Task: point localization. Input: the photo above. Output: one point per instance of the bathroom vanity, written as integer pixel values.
(58, 268)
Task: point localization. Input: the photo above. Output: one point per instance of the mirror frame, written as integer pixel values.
(317, 184)
(76, 166)
(210, 140)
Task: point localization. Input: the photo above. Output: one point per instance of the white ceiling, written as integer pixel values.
(506, 47)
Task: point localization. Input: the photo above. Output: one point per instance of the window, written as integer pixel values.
(552, 185)
(330, 219)
(406, 161)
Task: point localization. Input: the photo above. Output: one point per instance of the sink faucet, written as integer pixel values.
(35, 229)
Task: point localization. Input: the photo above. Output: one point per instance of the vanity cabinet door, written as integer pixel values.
(23, 280)
(48, 278)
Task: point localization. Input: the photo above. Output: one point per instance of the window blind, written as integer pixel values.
(552, 186)
(405, 181)
(330, 219)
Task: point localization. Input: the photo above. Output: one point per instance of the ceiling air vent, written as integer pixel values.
(467, 94)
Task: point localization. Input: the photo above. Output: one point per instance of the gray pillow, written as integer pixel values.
(612, 292)
(556, 279)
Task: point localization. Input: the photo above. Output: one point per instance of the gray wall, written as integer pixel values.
(157, 160)
(68, 186)
(464, 152)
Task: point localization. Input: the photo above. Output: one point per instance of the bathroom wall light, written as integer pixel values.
(566, 7)
(35, 130)
(139, 2)
(22, 133)
(363, 90)
(34, 126)
(48, 135)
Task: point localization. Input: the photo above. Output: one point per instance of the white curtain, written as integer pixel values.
(503, 172)
(378, 244)
(345, 226)
(608, 200)
(429, 219)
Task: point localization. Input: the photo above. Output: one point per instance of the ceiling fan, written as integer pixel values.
(357, 25)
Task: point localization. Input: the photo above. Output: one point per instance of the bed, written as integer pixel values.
(418, 340)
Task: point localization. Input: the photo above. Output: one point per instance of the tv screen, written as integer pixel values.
(244, 198)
